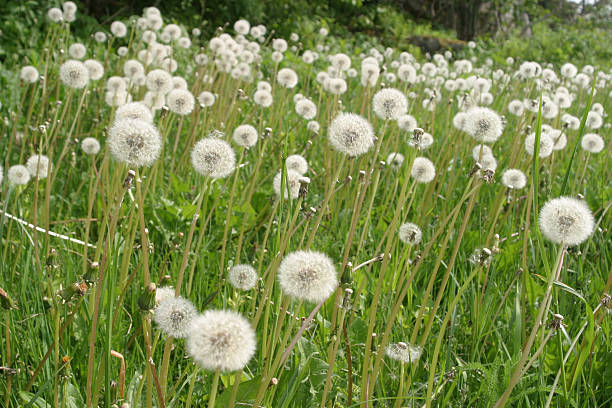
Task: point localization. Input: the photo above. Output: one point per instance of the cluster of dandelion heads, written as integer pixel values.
(403, 352)
(180, 101)
(18, 175)
(134, 111)
(245, 136)
(291, 188)
(221, 340)
(514, 179)
(592, 143)
(307, 275)
(546, 145)
(483, 124)
(174, 315)
(566, 220)
(90, 146)
(74, 74)
(389, 103)
(297, 163)
(39, 166)
(213, 157)
(351, 134)
(410, 233)
(134, 142)
(423, 170)
(242, 277)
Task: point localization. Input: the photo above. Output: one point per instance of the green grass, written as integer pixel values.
(472, 320)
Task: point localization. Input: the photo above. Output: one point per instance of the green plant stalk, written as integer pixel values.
(214, 388)
(518, 370)
(443, 327)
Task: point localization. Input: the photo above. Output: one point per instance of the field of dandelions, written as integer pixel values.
(241, 220)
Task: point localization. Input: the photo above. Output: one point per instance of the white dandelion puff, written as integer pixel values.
(307, 275)
(410, 233)
(566, 220)
(245, 136)
(221, 340)
(213, 157)
(395, 160)
(90, 145)
(351, 134)
(242, 277)
(39, 166)
(546, 145)
(134, 142)
(592, 143)
(423, 170)
(403, 352)
(29, 74)
(292, 179)
(180, 101)
(18, 175)
(206, 98)
(74, 74)
(134, 110)
(514, 179)
(483, 124)
(297, 163)
(174, 316)
(389, 103)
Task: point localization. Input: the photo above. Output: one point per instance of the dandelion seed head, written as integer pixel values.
(483, 124)
(133, 68)
(488, 162)
(306, 108)
(55, 14)
(39, 166)
(242, 27)
(206, 98)
(74, 74)
(242, 277)
(297, 163)
(213, 157)
(486, 151)
(118, 29)
(29, 74)
(516, 107)
(287, 78)
(180, 101)
(566, 220)
(592, 143)
(134, 142)
(159, 81)
(18, 175)
(389, 103)
(221, 340)
(423, 170)
(90, 146)
(410, 233)
(292, 179)
(546, 145)
(174, 316)
(100, 36)
(263, 98)
(351, 134)
(307, 275)
(395, 160)
(514, 179)
(313, 126)
(95, 69)
(594, 120)
(163, 293)
(134, 110)
(245, 136)
(403, 352)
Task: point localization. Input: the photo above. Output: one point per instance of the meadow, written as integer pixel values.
(247, 220)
